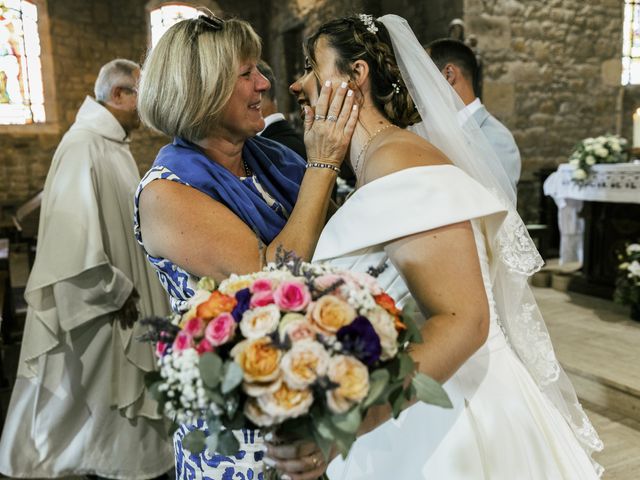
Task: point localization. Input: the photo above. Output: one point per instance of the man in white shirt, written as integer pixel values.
(458, 64)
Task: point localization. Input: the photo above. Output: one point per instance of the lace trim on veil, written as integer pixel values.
(515, 256)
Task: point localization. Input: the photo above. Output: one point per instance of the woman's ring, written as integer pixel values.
(319, 117)
(332, 118)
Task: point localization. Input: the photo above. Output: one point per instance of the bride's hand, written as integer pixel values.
(328, 129)
(294, 459)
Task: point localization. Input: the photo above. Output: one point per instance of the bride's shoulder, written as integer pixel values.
(402, 150)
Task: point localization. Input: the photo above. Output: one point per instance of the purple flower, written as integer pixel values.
(244, 299)
(361, 340)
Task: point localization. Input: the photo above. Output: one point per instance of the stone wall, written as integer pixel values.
(84, 35)
(552, 75)
(552, 69)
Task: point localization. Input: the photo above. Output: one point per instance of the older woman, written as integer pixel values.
(219, 200)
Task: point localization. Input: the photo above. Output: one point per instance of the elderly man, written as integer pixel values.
(458, 64)
(79, 404)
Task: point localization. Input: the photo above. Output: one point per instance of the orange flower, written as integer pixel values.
(216, 304)
(386, 302)
(259, 359)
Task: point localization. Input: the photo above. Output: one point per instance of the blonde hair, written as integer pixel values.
(189, 76)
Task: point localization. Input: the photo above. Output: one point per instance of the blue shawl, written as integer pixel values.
(278, 169)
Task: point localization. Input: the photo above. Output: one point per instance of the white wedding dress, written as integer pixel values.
(501, 427)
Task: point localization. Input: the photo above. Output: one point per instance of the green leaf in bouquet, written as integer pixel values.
(397, 400)
(227, 443)
(212, 442)
(324, 443)
(406, 365)
(324, 427)
(206, 283)
(348, 422)
(194, 441)
(231, 376)
(430, 391)
(210, 369)
(378, 380)
(410, 312)
(231, 405)
(215, 397)
(214, 424)
(236, 421)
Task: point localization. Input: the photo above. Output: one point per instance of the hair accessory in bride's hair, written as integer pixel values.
(369, 22)
(396, 87)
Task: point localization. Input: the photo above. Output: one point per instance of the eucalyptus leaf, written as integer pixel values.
(407, 365)
(410, 312)
(325, 428)
(194, 441)
(215, 397)
(152, 377)
(227, 443)
(348, 422)
(210, 369)
(377, 382)
(397, 401)
(430, 391)
(231, 376)
(212, 442)
(323, 442)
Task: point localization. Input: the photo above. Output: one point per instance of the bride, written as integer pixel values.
(433, 204)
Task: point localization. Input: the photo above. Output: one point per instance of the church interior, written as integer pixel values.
(561, 75)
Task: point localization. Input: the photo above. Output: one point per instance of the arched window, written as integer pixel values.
(631, 43)
(21, 89)
(167, 15)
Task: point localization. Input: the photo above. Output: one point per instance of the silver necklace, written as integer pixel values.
(247, 170)
(366, 145)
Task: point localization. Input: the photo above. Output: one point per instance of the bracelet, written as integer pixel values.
(323, 165)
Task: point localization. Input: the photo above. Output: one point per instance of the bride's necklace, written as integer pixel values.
(366, 145)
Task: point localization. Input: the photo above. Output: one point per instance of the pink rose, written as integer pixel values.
(220, 330)
(261, 285)
(161, 347)
(204, 346)
(292, 296)
(195, 327)
(182, 342)
(262, 299)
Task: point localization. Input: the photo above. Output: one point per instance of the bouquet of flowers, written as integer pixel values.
(295, 347)
(628, 283)
(602, 149)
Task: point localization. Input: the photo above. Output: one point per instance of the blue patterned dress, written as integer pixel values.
(264, 201)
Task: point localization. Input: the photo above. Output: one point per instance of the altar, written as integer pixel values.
(597, 217)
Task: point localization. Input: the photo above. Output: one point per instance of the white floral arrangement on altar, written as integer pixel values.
(628, 283)
(296, 347)
(594, 150)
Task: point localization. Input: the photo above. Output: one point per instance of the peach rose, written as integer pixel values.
(328, 314)
(260, 321)
(304, 363)
(254, 413)
(296, 327)
(259, 359)
(352, 378)
(286, 402)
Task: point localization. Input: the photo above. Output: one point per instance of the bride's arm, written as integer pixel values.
(442, 270)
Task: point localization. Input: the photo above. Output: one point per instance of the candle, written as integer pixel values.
(636, 128)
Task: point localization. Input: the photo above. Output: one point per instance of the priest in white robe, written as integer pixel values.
(79, 405)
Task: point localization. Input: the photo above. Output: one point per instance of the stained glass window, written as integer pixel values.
(167, 15)
(631, 43)
(21, 93)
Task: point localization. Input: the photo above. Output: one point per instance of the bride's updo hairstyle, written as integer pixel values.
(361, 37)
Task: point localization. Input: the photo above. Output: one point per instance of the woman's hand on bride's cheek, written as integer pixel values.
(328, 129)
(294, 459)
